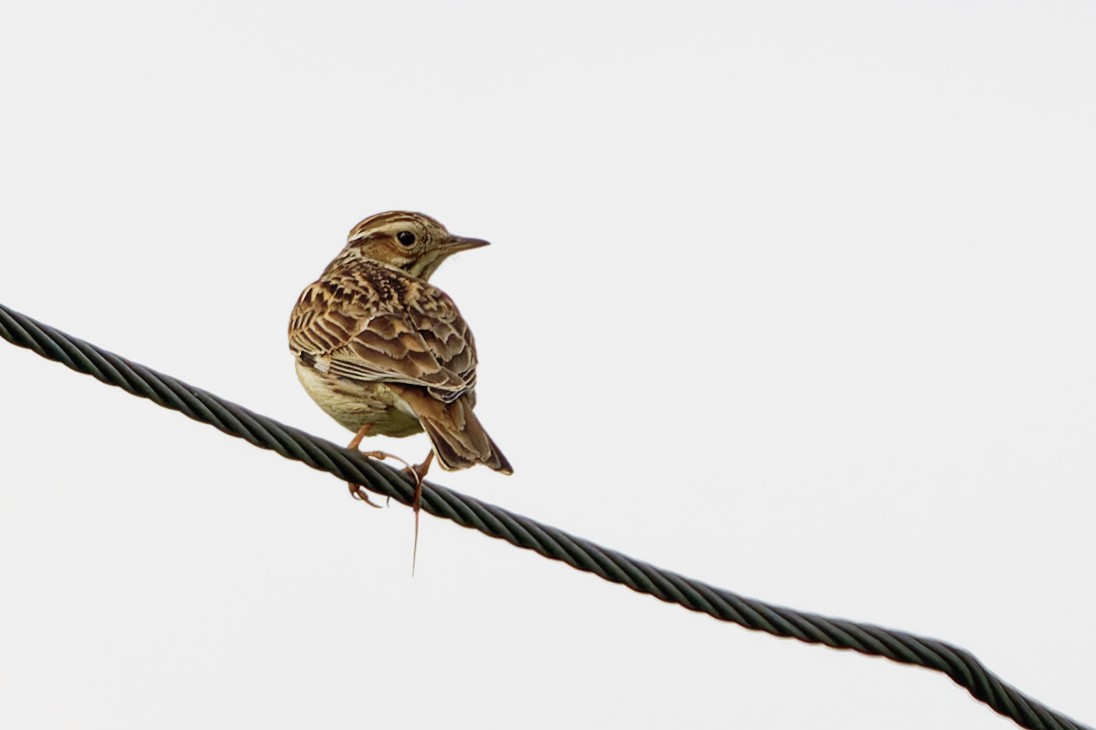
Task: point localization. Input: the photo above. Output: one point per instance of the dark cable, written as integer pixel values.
(523, 532)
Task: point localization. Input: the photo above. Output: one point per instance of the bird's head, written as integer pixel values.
(411, 242)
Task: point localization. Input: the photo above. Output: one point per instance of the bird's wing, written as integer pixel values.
(411, 333)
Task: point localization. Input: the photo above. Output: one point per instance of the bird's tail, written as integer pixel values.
(459, 438)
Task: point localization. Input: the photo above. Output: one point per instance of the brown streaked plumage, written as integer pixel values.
(382, 351)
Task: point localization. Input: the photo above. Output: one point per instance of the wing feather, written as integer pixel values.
(375, 324)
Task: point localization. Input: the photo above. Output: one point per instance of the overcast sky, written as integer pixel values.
(795, 298)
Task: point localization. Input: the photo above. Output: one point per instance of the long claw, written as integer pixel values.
(385, 455)
(361, 495)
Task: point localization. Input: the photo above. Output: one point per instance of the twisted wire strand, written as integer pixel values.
(961, 666)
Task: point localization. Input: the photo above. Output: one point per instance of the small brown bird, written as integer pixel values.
(384, 352)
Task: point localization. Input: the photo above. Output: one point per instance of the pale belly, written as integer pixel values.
(355, 404)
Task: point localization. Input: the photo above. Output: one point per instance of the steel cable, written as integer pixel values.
(962, 667)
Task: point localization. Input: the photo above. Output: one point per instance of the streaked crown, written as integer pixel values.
(411, 242)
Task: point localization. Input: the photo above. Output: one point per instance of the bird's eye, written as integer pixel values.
(406, 238)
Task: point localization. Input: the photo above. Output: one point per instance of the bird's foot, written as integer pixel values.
(382, 455)
(418, 473)
(359, 493)
(415, 472)
(356, 490)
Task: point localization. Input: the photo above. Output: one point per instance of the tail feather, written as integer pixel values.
(459, 439)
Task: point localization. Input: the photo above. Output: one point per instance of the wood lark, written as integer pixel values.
(384, 352)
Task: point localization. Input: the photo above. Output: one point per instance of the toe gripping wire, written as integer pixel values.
(962, 667)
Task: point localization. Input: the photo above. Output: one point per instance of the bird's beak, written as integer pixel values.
(459, 243)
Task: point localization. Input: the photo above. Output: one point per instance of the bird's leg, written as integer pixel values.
(418, 473)
(355, 489)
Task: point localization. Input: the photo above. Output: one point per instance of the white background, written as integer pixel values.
(794, 298)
